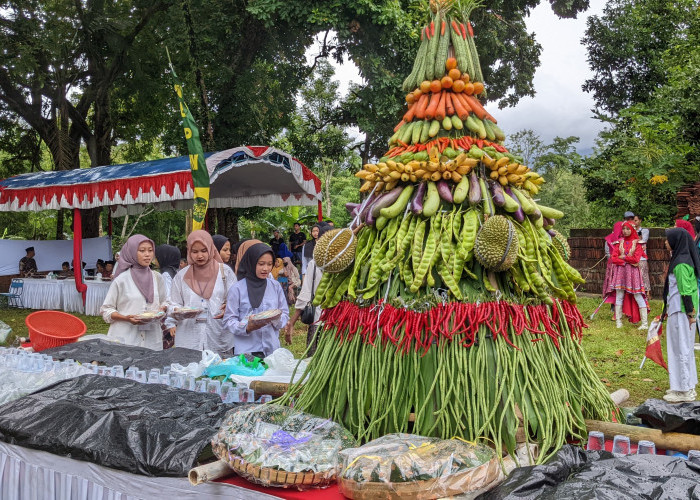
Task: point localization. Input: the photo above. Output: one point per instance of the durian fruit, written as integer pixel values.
(496, 245)
(335, 250)
(560, 243)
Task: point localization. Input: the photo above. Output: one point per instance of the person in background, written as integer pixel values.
(223, 246)
(27, 264)
(241, 249)
(643, 234)
(100, 267)
(611, 242)
(183, 263)
(116, 264)
(308, 249)
(168, 261)
(684, 224)
(135, 290)
(628, 280)
(308, 290)
(65, 269)
(296, 242)
(275, 243)
(294, 281)
(629, 216)
(204, 285)
(278, 269)
(255, 292)
(680, 305)
(109, 269)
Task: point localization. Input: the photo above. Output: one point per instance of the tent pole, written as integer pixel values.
(78, 253)
(320, 211)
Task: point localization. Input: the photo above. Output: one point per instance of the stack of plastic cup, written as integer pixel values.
(596, 441)
(153, 376)
(694, 456)
(646, 448)
(621, 445)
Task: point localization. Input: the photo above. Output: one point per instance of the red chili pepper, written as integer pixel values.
(464, 31)
(470, 29)
(432, 28)
(479, 143)
(442, 29)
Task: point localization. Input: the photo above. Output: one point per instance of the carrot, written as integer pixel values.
(455, 27)
(415, 109)
(459, 107)
(465, 103)
(427, 32)
(432, 107)
(440, 111)
(464, 31)
(400, 124)
(449, 106)
(432, 28)
(489, 117)
(421, 107)
(476, 106)
(470, 29)
(442, 29)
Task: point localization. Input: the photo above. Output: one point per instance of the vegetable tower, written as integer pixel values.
(457, 315)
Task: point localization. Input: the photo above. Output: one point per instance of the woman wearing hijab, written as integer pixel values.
(681, 305)
(135, 290)
(255, 292)
(306, 295)
(294, 282)
(223, 246)
(168, 258)
(627, 280)
(243, 246)
(684, 224)
(307, 251)
(278, 269)
(203, 285)
(611, 242)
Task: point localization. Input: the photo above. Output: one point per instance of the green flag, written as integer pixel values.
(198, 165)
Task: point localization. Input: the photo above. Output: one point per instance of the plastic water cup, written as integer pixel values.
(694, 456)
(166, 370)
(154, 376)
(248, 396)
(164, 379)
(646, 448)
(234, 395)
(176, 380)
(265, 398)
(225, 389)
(141, 376)
(69, 362)
(596, 441)
(130, 373)
(118, 371)
(621, 445)
(190, 383)
(103, 370)
(200, 385)
(214, 387)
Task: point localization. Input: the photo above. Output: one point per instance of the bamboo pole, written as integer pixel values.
(274, 389)
(664, 440)
(209, 472)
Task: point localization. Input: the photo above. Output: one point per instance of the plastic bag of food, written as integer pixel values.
(409, 466)
(275, 445)
(282, 363)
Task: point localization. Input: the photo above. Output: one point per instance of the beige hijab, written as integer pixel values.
(241, 251)
(201, 279)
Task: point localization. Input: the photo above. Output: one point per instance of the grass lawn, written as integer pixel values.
(615, 354)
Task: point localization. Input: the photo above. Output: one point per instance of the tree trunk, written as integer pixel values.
(91, 222)
(328, 179)
(59, 224)
(210, 220)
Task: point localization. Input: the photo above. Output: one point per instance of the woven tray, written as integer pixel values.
(279, 478)
(456, 484)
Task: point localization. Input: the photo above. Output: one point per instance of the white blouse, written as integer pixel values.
(125, 298)
(203, 332)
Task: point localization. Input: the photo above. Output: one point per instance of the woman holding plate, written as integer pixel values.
(136, 298)
(198, 298)
(256, 293)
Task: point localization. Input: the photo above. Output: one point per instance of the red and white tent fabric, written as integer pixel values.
(240, 177)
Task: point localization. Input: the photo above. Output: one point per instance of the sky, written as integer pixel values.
(560, 107)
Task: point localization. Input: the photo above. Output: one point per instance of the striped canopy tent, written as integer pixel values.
(241, 177)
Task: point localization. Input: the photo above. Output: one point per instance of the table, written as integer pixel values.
(42, 294)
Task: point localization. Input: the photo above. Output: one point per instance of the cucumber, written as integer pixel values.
(434, 129)
(415, 132)
(550, 213)
(462, 190)
(526, 204)
(472, 125)
(457, 123)
(406, 131)
(510, 204)
(447, 123)
(399, 205)
(482, 129)
(490, 135)
(500, 136)
(424, 131)
(443, 47)
(432, 200)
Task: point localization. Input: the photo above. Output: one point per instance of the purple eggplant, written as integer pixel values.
(549, 222)
(369, 218)
(497, 194)
(518, 215)
(474, 189)
(444, 190)
(367, 204)
(417, 201)
(352, 208)
(536, 215)
(386, 200)
(552, 233)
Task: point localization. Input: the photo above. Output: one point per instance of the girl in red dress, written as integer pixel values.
(630, 295)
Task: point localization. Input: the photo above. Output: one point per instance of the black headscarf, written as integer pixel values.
(219, 241)
(246, 270)
(309, 246)
(683, 251)
(168, 259)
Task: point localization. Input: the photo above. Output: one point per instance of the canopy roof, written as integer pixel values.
(241, 177)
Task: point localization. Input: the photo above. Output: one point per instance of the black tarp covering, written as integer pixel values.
(110, 354)
(681, 417)
(148, 429)
(576, 474)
